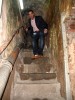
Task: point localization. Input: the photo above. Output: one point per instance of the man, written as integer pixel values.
(39, 28)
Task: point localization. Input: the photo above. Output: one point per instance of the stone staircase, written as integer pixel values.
(35, 79)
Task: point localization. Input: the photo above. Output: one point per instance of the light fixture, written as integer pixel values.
(0, 6)
(21, 4)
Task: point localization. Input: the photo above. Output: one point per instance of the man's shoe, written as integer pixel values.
(35, 57)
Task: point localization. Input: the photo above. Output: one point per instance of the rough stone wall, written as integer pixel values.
(70, 31)
(10, 22)
(37, 5)
(55, 42)
(65, 5)
(73, 2)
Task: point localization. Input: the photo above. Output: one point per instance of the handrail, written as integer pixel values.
(11, 39)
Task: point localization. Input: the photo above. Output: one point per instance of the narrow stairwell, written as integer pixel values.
(43, 78)
(35, 79)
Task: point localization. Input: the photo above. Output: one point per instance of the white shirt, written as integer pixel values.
(33, 24)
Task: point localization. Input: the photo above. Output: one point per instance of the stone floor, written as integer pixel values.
(35, 79)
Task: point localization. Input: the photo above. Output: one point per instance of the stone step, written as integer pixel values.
(35, 68)
(35, 71)
(34, 78)
(30, 74)
(29, 53)
(39, 69)
(36, 92)
(26, 53)
(37, 76)
(39, 65)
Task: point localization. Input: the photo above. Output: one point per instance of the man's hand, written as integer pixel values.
(45, 31)
(26, 29)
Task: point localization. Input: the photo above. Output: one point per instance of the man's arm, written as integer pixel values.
(45, 25)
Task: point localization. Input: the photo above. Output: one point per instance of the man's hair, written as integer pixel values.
(30, 11)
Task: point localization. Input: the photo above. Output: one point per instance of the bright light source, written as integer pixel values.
(0, 6)
(21, 4)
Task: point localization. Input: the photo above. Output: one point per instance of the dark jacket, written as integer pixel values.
(40, 23)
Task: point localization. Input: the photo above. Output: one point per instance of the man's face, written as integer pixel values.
(31, 15)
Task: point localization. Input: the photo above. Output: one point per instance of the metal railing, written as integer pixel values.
(11, 39)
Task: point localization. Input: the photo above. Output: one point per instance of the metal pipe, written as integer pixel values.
(5, 69)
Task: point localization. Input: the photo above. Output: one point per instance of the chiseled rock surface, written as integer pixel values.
(70, 30)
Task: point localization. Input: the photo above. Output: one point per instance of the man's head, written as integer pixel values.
(31, 14)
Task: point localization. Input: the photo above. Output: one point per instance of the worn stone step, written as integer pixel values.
(31, 78)
(34, 78)
(36, 72)
(37, 76)
(36, 92)
(29, 53)
(35, 68)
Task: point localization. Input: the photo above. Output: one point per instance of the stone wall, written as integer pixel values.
(65, 5)
(70, 31)
(11, 20)
(55, 42)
